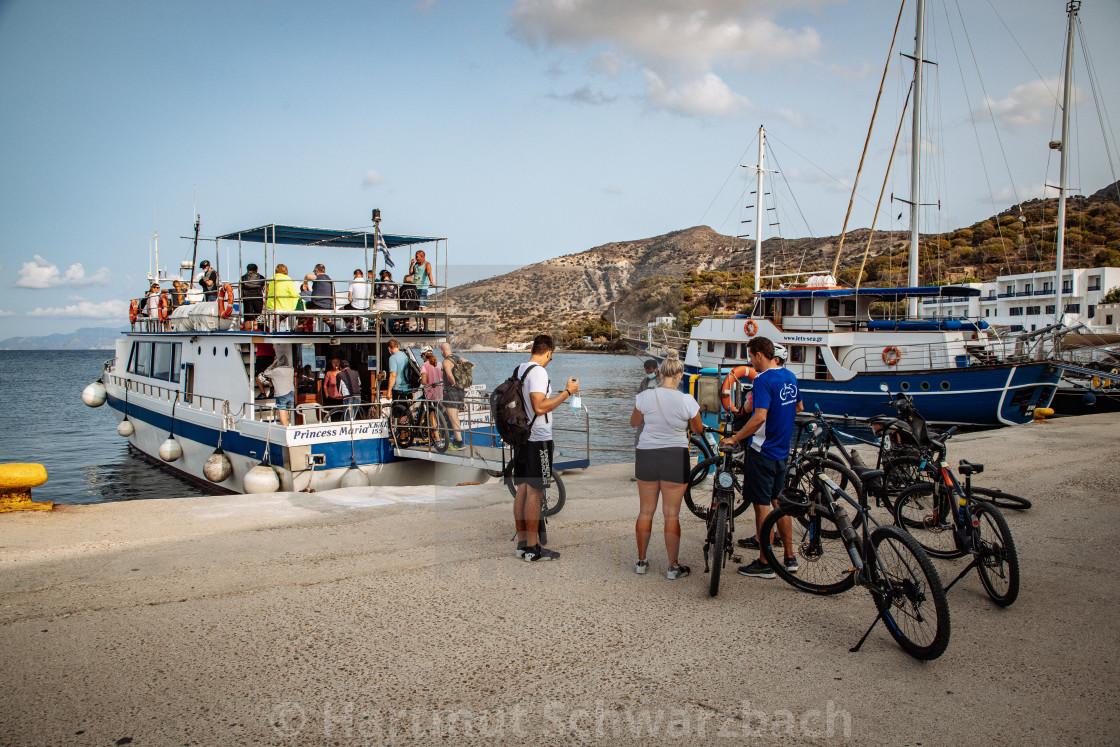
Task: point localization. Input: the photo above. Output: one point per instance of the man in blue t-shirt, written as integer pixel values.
(398, 381)
(777, 400)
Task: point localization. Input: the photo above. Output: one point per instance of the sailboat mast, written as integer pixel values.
(1071, 9)
(915, 152)
(758, 211)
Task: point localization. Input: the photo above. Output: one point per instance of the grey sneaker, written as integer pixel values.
(756, 569)
(677, 571)
(791, 565)
(641, 567)
(520, 551)
(536, 553)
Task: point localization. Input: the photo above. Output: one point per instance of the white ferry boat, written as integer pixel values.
(183, 383)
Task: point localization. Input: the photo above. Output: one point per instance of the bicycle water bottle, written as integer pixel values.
(850, 537)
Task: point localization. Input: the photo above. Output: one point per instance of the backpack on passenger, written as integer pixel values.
(462, 370)
(507, 409)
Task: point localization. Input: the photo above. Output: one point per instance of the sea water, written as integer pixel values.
(43, 420)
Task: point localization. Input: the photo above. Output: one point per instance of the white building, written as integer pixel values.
(663, 321)
(1026, 302)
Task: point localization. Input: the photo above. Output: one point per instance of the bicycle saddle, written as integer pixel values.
(968, 468)
(865, 474)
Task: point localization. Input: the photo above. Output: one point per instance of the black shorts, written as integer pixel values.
(251, 308)
(532, 464)
(452, 396)
(666, 465)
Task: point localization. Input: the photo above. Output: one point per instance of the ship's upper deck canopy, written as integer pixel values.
(362, 238)
(890, 294)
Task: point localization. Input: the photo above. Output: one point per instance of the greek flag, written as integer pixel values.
(384, 250)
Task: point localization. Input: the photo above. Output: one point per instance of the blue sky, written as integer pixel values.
(521, 129)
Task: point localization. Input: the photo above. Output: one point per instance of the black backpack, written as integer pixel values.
(412, 374)
(507, 409)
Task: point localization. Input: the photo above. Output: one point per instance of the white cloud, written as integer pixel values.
(1007, 195)
(690, 33)
(797, 119)
(39, 274)
(371, 179)
(612, 190)
(707, 95)
(1029, 104)
(850, 74)
(423, 6)
(584, 95)
(670, 40)
(7, 313)
(87, 309)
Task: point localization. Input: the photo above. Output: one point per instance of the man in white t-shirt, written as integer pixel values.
(357, 298)
(532, 463)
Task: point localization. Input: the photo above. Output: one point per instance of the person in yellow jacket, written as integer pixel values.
(281, 293)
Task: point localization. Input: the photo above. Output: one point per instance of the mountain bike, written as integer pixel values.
(553, 497)
(721, 518)
(949, 521)
(422, 420)
(702, 481)
(833, 557)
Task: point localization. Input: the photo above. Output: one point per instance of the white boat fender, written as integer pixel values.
(354, 478)
(94, 395)
(261, 479)
(218, 467)
(126, 428)
(170, 450)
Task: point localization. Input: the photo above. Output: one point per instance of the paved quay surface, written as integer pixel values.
(366, 617)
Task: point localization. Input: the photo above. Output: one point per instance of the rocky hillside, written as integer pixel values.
(697, 271)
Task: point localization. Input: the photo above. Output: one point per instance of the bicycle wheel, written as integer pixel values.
(1001, 499)
(924, 511)
(801, 478)
(718, 549)
(698, 451)
(554, 495)
(899, 473)
(402, 435)
(823, 563)
(996, 559)
(701, 482)
(908, 593)
(440, 434)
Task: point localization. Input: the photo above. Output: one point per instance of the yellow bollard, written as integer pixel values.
(16, 481)
(1041, 413)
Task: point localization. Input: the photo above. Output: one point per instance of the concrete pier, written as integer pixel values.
(394, 617)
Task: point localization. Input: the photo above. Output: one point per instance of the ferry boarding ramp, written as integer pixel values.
(482, 447)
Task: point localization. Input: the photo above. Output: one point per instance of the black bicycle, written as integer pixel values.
(718, 546)
(552, 498)
(702, 481)
(833, 557)
(422, 420)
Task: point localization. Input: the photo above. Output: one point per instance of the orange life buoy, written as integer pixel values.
(725, 388)
(164, 303)
(225, 301)
(751, 329)
(133, 311)
(891, 355)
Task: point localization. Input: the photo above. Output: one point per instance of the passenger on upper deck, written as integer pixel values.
(322, 290)
(421, 269)
(282, 293)
(252, 296)
(410, 300)
(178, 294)
(358, 297)
(209, 281)
(385, 292)
(150, 304)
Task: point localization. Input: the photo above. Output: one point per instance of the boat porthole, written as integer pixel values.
(925, 386)
(905, 386)
(227, 352)
(200, 350)
(215, 351)
(945, 385)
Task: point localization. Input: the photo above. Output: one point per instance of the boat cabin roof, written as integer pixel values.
(894, 294)
(362, 238)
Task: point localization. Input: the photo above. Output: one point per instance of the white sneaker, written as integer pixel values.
(641, 567)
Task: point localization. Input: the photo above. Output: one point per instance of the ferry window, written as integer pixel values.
(925, 386)
(142, 358)
(905, 386)
(849, 308)
(945, 385)
(711, 346)
(804, 307)
(176, 359)
(729, 350)
(161, 361)
(744, 351)
(834, 307)
(768, 307)
(788, 305)
(797, 353)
